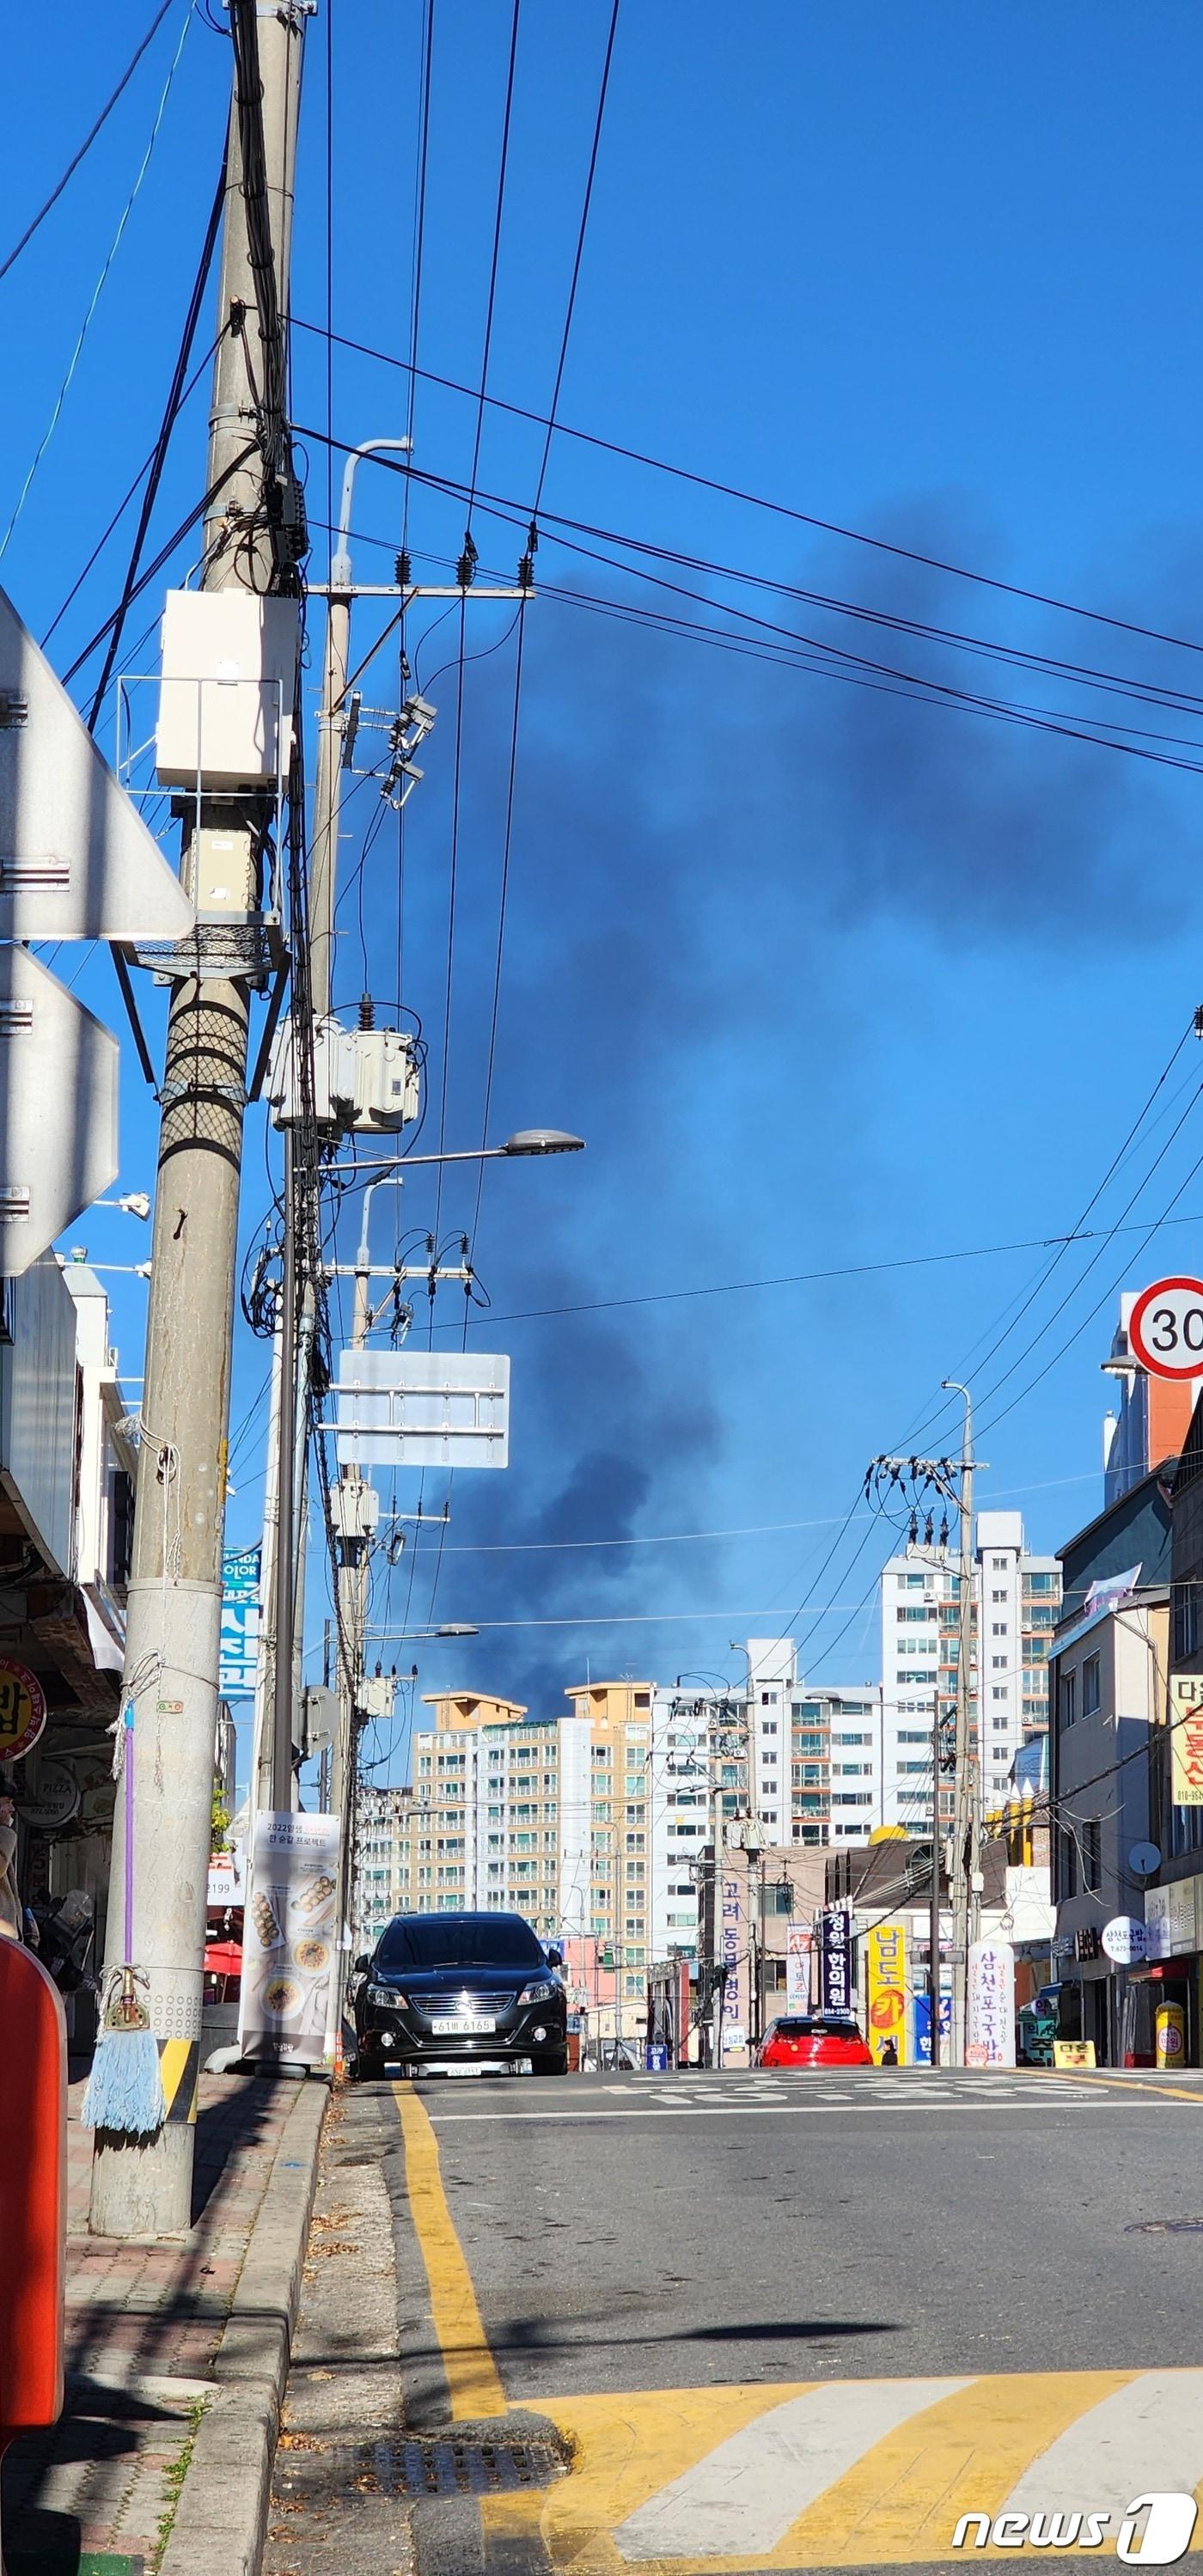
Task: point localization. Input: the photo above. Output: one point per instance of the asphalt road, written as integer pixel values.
(717, 2325)
(654, 2233)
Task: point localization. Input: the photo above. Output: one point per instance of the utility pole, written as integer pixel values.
(965, 1813)
(143, 2187)
(933, 1978)
(911, 1484)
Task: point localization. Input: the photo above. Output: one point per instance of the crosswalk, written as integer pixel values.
(913, 2092)
(868, 2474)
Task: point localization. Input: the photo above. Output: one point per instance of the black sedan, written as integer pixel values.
(458, 1994)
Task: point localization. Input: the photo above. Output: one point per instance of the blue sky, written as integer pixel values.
(826, 976)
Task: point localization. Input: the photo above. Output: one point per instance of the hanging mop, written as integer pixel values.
(125, 2088)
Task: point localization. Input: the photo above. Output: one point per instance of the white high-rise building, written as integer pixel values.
(803, 1761)
(1014, 1610)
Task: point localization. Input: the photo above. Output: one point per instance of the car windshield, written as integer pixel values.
(459, 1941)
(803, 2025)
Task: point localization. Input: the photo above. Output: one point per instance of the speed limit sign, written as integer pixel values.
(1166, 1328)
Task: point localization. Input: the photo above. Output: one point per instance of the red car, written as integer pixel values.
(813, 2039)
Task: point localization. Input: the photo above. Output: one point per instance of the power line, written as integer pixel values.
(171, 412)
(835, 661)
(577, 258)
(88, 141)
(808, 1278)
(98, 289)
(758, 501)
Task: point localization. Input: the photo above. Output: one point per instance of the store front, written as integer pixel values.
(1174, 1941)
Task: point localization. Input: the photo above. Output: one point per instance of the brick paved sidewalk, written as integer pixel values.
(143, 2325)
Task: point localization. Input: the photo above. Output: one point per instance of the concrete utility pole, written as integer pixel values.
(937, 1739)
(965, 1778)
(144, 2187)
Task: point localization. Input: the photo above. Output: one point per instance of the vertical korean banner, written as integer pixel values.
(240, 1622)
(835, 1960)
(290, 1939)
(1186, 1739)
(991, 2040)
(731, 1955)
(799, 1946)
(887, 2032)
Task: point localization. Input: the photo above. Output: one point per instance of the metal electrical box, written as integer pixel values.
(227, 690)
(365, 1080)
(354, 1508)
(376, 1695)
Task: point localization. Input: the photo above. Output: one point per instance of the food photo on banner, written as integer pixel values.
(290, 1939)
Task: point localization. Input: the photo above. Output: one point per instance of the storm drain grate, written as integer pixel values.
(1165, 2227)
(460, 2468)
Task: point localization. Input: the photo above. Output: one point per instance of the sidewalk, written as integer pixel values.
(165, 2344)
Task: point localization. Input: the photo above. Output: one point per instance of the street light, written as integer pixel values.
(528, 1140)
(135, 1203)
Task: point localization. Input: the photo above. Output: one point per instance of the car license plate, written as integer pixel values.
(457, 2025)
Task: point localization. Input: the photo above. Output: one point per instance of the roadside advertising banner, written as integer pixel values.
(835, 1960)
(290, 1938)
(799, 1944)
(991, 2039)
(921, 2009)
(887, 2015)
(1186, 1739)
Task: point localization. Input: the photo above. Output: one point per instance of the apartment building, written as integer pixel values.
(380, 1847)
(803, 1761)
(480, 1826)
(1015, 1605)
(605, 1825)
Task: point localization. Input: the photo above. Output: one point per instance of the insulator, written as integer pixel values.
(367, 1011)
(465, 570)
(403, 571)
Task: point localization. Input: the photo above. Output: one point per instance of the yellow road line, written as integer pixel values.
(1126, 2084)
(897, 2507)
(905, 2496)
(472, 2376)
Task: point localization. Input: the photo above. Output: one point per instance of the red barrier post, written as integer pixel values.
(33, 2193)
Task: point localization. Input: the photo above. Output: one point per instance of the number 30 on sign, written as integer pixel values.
(22, 1710)
(1166, 1328)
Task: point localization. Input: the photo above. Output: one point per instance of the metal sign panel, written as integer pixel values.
(423, 1409)
(58, 1109)
(76, 859)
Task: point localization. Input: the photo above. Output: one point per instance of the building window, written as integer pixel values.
(998, 1596)
(1091, 1685)
(1186, 1621)
(1069, 1699)
(1068, 1871)
(1092, 1867)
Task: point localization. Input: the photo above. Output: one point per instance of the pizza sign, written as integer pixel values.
(22, 1710)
